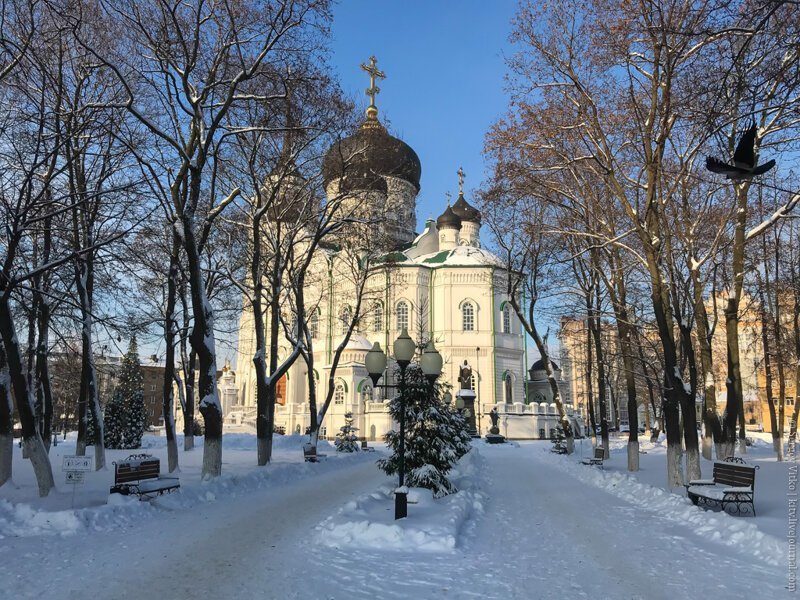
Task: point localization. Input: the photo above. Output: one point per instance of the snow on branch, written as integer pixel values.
(781, 213)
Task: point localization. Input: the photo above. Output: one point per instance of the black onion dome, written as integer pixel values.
(368, 153)
(362, 181)
(539, 366)
(466, 211)
(448, 220)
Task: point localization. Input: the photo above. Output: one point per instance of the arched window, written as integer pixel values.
(509, 387)
(345, 318)
(338, 394)
(366, 394)
(468, 316)
(402, 316)
(506, 319)
(377, 317)
(314, 325)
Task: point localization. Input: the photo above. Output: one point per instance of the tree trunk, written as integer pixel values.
(170, 327)
(569, 438)
(589, 371)
(31, 439)
(189, 401)
(617, 290)
(673, 383)
(688, 408)
(6, 421)
(595, 326)
(712, 431)
(204, 345)
(734, 409)
(88, 401)
(44, 388)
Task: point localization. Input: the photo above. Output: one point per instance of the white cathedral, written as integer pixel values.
(440, 284)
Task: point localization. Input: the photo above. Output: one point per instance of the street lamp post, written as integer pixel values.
(431, 364)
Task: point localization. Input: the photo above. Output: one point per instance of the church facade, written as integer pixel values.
(440, 284)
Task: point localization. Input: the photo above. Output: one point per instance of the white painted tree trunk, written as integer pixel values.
(727, 450)
(707, 442)
(674, 474)
(742, 446)
(777, 445)
(719, 451)
(633, 456)
(570, 444)
(693, 464)
(212, 458)
(315, 438)
(40, 463)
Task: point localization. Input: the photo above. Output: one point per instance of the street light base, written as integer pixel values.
(400, 505)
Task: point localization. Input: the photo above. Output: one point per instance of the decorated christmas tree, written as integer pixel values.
(346, 439)
(125, 417)
(436, 436)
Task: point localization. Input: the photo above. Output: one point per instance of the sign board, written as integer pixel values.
(74, 477)
(77, 463)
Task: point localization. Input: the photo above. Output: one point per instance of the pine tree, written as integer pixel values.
(113, 419)
(346, 439)
(558, 439)
(125, 417)
(436, 436)
(91, 429)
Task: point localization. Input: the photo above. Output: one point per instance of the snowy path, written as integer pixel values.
(547, 535)
(544, 535)
(252, 546)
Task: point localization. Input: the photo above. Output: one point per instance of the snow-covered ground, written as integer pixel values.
(525, 524)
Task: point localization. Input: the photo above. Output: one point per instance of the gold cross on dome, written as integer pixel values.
(461, 176)
(373, 71)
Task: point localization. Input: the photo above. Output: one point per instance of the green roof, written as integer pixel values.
(438, 258)
(392, 257)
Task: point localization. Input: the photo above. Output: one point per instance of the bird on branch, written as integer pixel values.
(744, 160)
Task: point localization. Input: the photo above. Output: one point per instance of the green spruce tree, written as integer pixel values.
(436, 436)
(346, 439)
(558, 439)
(113, 420)
(91, 429)
(125, 415)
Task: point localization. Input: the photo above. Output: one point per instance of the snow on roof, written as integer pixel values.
(358, 342)
(460, 256)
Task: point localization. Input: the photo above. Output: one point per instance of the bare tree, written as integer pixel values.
(187, 70)
(518, 223)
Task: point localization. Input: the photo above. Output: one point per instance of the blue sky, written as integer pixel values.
(444, 65)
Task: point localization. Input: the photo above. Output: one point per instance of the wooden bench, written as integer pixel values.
(140, 474)
(365, 448)
(733, 486)
(597, 460)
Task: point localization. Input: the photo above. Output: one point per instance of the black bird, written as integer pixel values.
(744, 160)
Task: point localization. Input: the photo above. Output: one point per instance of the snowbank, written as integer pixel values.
(433, 525)
(96, 509)
(720, 527)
